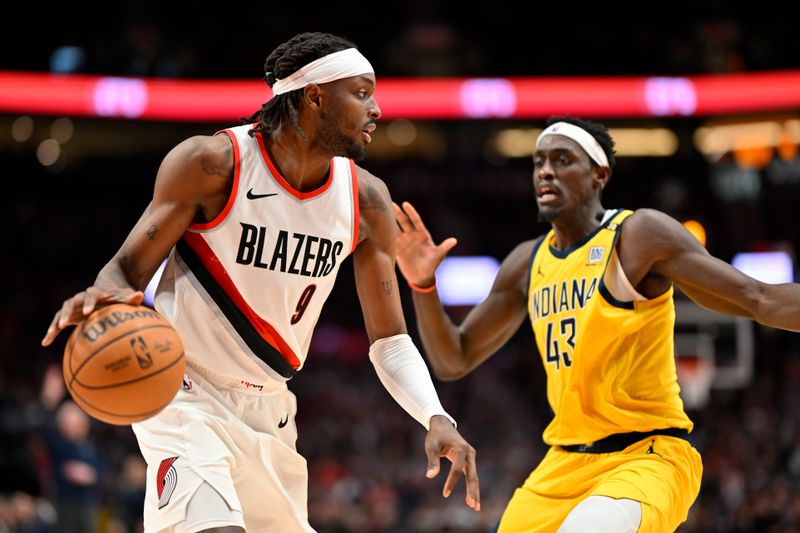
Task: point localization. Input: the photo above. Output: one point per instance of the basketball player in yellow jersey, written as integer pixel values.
(598, 291)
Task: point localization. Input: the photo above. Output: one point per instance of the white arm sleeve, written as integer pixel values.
(403, 372)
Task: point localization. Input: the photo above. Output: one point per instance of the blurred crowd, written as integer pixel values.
(423, 38)
(62, 472)
(365, 454)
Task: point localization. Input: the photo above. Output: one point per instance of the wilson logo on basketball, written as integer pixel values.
(93, 331)
(166, 480)
(129, 366)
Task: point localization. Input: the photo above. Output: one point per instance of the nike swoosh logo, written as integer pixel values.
(283, 421)
(251, 196)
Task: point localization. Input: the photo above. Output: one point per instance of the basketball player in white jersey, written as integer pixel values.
(255, 222)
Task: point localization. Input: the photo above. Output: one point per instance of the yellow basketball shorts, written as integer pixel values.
(661, 472)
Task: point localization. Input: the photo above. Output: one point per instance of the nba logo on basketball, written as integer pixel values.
(142, 353)
(596, 254)
(128, 368)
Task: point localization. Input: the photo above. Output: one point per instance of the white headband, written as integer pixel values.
(331, 67)
(580, 136)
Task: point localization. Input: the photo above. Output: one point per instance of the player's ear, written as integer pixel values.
(601, 176)
(312, 94)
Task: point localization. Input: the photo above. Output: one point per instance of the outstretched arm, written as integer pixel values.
(397, 361)
(652, 242)
(454, 351)
(193, 181)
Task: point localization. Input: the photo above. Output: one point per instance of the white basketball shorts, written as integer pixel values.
(239, 438)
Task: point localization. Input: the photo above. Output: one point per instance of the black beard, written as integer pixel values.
(338, 143)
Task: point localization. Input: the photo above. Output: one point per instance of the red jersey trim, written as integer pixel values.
(234, 189)
(282, 181)
(356, 219)
(214, 267)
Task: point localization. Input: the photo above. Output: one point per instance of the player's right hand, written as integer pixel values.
(76, 309)
(417, 255)
(443, 440)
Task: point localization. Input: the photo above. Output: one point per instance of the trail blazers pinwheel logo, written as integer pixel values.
(166, 479)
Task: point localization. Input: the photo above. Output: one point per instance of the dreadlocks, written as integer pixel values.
(285, 60)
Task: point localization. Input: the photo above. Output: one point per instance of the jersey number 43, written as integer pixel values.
(564, 336)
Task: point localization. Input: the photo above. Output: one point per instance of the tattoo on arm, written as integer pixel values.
(151, 233)
(387, 287)
(371, 199)
(223, 167)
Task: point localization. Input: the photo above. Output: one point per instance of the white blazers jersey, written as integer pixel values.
(246, 289)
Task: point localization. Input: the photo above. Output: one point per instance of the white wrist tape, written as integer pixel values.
(403, 372)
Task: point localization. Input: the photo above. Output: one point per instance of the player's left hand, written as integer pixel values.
(444, 440)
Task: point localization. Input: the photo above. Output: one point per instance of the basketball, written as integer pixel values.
(123, 364)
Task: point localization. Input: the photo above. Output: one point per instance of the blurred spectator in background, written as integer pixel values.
(76, 470)
(130, 497)
(75, 463)
(23, 513)
(17, 468)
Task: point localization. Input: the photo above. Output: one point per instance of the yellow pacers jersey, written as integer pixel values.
(610, 364)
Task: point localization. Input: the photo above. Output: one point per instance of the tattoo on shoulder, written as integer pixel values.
(223, 167)
(371, 198)
(387, 287)
(151, 233)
